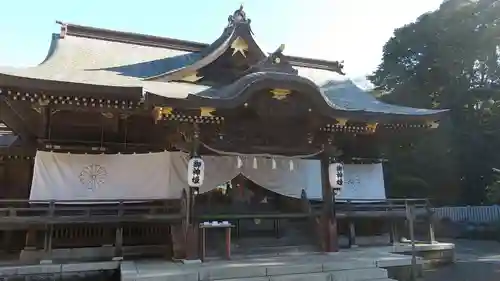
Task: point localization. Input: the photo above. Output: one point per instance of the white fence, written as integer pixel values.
(475, 214)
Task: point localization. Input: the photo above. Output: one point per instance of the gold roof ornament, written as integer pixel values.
(433, 124)
(372, 127)
(280, 94)
(159, 112)
(341, 121)
(206, 111)
(192, 77)
(239, 45)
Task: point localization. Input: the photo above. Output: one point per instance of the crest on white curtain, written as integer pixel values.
(196, 172)
(93, 176)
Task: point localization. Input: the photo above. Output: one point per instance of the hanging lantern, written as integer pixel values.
(196, 172)
(336, 171)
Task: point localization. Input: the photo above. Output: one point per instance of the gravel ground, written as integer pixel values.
(475, 261)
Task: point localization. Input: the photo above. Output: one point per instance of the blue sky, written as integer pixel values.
(350, 30)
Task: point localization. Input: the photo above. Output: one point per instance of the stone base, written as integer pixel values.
(434, 254)
(91, 253)
(375, 240)
(57, 271)
(191, 261)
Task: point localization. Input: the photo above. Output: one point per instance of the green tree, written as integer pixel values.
(448, 59)
(493, 190)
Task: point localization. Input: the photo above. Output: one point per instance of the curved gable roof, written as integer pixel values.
(121, 65)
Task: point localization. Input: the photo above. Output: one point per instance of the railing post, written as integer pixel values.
(430, 217)
(392, 232)
(352, 227)
(49, 230)
(118, 255)
(410, 218)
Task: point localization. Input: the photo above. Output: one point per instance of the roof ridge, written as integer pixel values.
(176, 44)
(129, 37)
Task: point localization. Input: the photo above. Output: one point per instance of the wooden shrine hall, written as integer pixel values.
(103, 94)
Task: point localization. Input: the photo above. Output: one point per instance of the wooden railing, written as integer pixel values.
(19, 213)
(66, 216)
(382, 208)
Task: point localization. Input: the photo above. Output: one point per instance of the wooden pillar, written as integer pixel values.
(46, 116)
(191, 234)
(195, 152)
(329, 221)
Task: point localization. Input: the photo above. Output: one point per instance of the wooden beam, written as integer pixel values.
(46, 121)
(17, 123)
(23, 151)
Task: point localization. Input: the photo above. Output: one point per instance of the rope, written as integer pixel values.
(226, 153)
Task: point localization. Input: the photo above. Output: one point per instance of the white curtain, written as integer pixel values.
(282, 179)
(61, 176)
(361, 181)
(218, 170)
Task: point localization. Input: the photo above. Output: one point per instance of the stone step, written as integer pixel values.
(338, 271)
(308, 277)
(372, 274)
(267, 241)
(366, 274)
(274, 250)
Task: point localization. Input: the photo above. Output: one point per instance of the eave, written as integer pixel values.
(327, 102)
